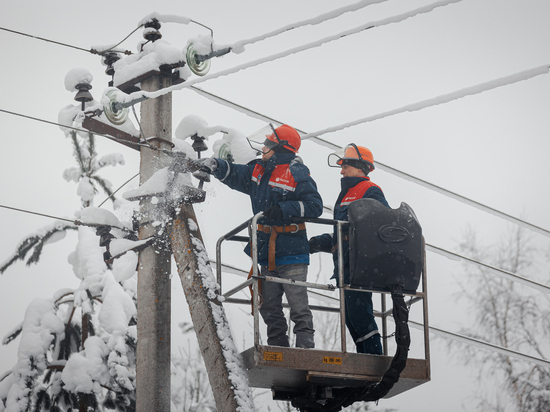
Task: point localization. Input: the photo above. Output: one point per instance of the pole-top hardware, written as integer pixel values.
(151, 32)
(115, 114)
(109, 59)
(200, 63)
(198, 144)
(83, 94)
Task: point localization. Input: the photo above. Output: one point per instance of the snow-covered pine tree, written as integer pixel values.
(77, 348)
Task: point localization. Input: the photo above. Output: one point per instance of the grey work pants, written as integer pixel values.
(272, 305)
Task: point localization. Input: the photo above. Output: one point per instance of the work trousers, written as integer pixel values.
(360, 322)
(272, 306)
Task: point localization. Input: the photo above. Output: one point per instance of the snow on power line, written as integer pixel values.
(394, 19)
(499, 272)
(238, 47)
(482, 345)
(379, 165)
(442, 99)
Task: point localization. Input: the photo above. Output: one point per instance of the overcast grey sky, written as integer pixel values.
(492, 147)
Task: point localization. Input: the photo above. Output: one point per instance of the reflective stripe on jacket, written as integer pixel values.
(282, 180)
(352, 188)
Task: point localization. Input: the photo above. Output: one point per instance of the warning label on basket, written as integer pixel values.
(332, 360)
(273, 356)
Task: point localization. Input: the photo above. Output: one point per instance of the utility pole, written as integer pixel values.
(207, 314)
(180, 236)
(154, 293)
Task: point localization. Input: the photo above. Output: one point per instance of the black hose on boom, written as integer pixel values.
(399, 361)
(380, 389)
(376, 390)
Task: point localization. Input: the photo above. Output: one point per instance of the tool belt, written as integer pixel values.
(345, 238)
(273, 231)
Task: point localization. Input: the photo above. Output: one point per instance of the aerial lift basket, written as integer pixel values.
(385, 246)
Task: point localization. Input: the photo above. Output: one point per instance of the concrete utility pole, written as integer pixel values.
(182, 237)
(191, 258)
(154, 298)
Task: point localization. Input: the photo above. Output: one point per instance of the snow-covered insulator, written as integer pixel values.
(108, 60)
(115, 116)
(197, 66)
(198, 144)
(83, 94)
(105, 236)
(151, 32)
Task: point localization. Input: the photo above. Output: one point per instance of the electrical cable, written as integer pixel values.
(434, 330)
(238, 46)
(483, 345)
(36, 213)
(140, 95)
(380, 165)
(500, 272)
(93, 51)
(446, 98)
(121, 186)
(144, 144)
(74, 222)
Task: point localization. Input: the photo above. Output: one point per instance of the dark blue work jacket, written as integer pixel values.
(282, 180)
(352, 188)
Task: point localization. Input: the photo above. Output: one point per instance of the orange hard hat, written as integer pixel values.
(355, 156)
(284, 136)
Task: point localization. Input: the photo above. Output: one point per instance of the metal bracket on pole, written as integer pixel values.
(95, 126)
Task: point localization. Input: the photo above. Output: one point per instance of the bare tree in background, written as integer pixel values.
(509, 315)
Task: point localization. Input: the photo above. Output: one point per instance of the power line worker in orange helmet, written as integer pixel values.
(280, 186)
(356, 162)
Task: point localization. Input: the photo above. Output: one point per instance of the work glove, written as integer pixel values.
(314, 246)
(208, 164)
(274, 213)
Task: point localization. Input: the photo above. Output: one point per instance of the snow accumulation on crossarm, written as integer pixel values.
(237, 376)
(153, 55)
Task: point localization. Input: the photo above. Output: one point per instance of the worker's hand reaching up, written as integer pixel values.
(208, 164)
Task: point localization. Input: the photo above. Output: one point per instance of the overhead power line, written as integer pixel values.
(380, 165)
(436, 331)
(463, 199)
(500, 272)
(74, 222)
(482, 345)
(93, 51)
(446, 98)
(238, 46)
(36, 213)
(144, 143)
(138, 96)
